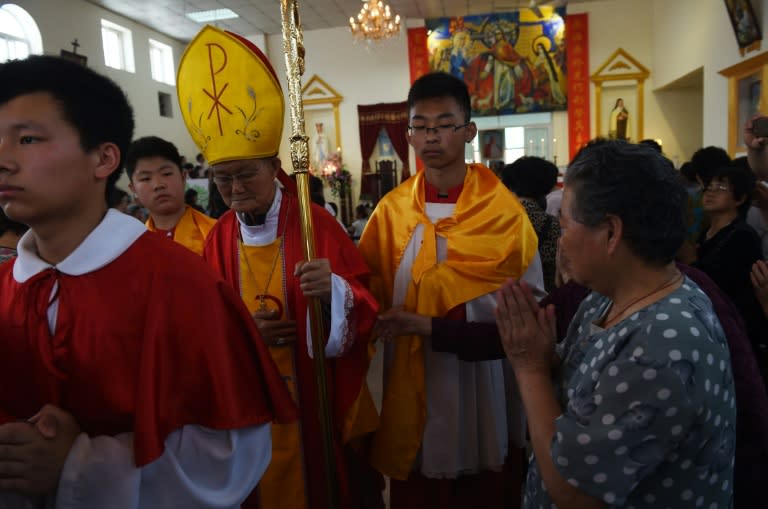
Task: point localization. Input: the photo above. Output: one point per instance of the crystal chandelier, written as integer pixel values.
(375, 21)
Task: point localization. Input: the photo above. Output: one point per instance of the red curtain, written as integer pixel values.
(394, 118)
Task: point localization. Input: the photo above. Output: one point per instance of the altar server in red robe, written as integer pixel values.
(256, 246)
(111, 394)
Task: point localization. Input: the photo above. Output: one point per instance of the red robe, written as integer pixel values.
(129, 355)
(346, 374)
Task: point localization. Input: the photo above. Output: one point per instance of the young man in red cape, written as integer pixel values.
(256, 246)
(439, 246)
(111, 395)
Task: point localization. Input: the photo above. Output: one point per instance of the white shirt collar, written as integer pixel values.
(111, 238)
(263, 234)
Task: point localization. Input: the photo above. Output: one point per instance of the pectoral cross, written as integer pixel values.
(263, 298)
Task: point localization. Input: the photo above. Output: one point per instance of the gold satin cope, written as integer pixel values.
(489, 239)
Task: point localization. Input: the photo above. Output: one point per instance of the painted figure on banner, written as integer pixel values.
(619, 122)
(549, 81)
(512, 77)
(461, 43)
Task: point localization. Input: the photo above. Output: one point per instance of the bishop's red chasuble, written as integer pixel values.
(295, 479)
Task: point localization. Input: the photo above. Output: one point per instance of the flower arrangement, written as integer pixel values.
(336, 174)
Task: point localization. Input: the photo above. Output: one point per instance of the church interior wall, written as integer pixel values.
(672, 39)
(359, 73)
(62, 21)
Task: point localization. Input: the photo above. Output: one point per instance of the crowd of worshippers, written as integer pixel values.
(182, 196)
(612, 325)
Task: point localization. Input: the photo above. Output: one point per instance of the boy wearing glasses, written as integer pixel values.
(113, 398)
(256, 246)
(439, 246)
(153, 166)
(729, 248)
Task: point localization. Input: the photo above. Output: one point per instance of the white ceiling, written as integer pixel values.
(263, 16)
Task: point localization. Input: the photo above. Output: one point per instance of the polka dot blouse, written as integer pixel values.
(649, 408)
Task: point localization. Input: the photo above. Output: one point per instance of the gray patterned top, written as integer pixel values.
(649, 419)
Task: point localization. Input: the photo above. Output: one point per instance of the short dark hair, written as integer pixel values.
(93, 104)
(707, 160)
(116, 195)
(741, 178)
(7, 224)
(652, 143)
(530, 177)
(688, 171)
(639, 186)
(150, 146)
(437, 85)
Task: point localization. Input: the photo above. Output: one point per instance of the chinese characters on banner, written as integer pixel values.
(418, 59)
(418, 53)
(578, 82)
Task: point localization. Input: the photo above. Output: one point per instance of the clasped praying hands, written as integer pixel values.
(33, 452)
(527, 331)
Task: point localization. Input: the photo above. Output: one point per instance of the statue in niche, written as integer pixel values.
(322, 148)
(619, 124)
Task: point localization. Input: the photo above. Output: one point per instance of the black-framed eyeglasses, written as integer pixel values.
(443, 129)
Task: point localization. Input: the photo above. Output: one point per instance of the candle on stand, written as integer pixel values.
(554, 150)
(542, 152)
(530, 147)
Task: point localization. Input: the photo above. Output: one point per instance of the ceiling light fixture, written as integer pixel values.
(375, 22)
(212, 15)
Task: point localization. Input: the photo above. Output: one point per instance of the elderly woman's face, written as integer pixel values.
(581, 248)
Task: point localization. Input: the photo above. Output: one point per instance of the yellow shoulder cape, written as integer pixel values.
(489, 239)
(191, 230)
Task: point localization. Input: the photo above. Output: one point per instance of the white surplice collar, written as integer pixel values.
(263, 234)
(111, 238)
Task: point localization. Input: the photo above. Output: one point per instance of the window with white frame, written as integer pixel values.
(118, 46)
(19, 35)
(161, 62)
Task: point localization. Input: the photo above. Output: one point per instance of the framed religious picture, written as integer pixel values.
(747, 95)
(744, 24)
(492, 145)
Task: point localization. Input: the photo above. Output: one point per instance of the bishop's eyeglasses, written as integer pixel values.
(227, 180)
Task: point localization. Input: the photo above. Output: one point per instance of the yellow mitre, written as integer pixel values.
(230, 97)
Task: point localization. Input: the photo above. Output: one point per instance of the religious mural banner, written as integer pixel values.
(511, 62)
